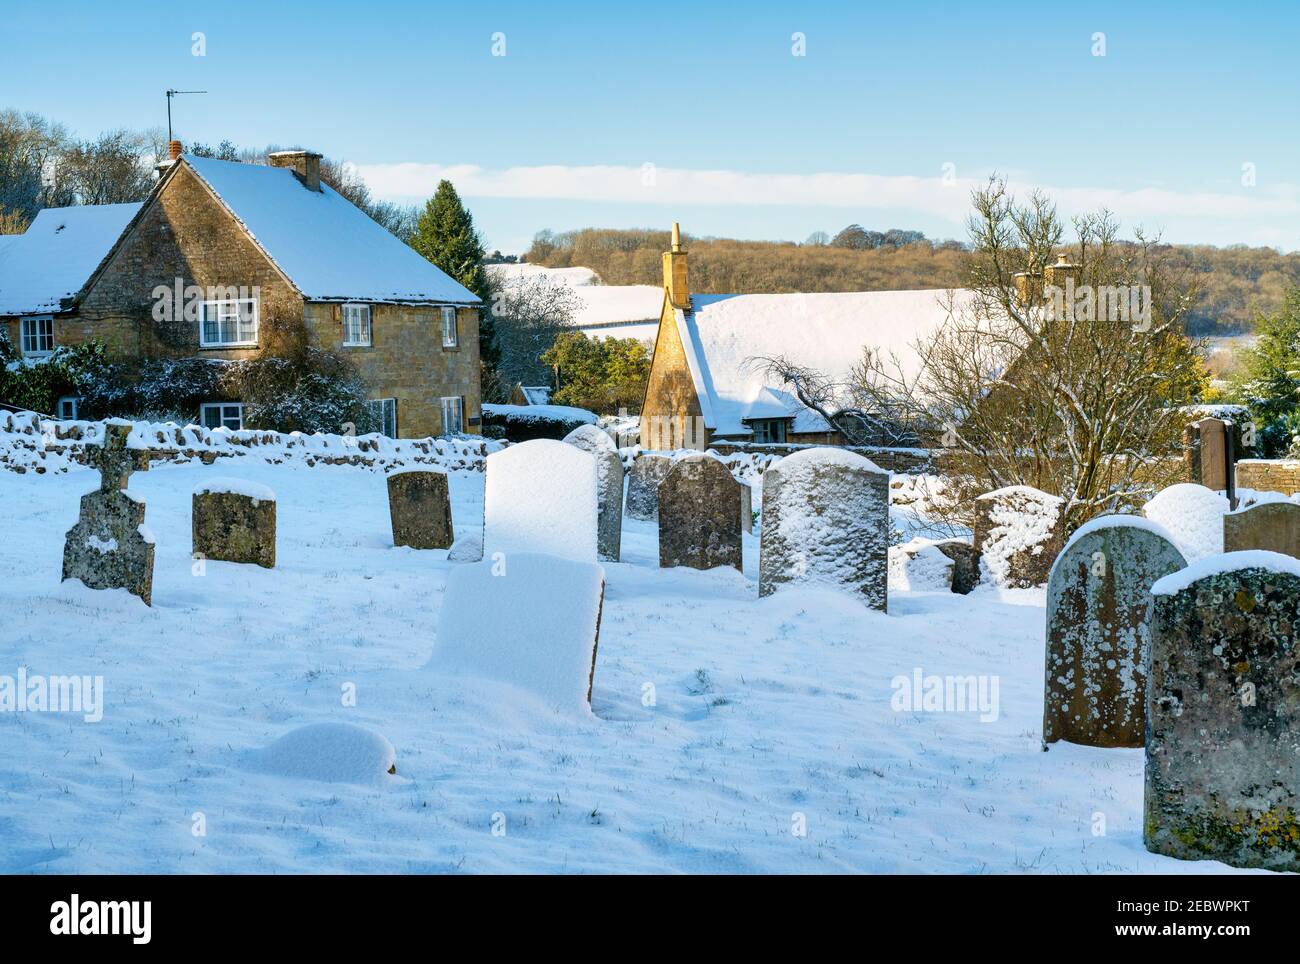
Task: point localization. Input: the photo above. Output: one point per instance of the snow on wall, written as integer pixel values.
(1193, 516)
(30, 443)
(529, 620)
(540, 496)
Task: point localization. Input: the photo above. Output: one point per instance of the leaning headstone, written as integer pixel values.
(540, 496)
(643, 480)
(419, 507)
(699, 515)
(826, 522)
(1273, 526)
(1018, 531)
(233, 520)
(609, 488)
(1099, 630)
(1223, 713)
(109, 547)
(529, 620)
(1193, 515)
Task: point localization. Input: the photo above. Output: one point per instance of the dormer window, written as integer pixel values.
(356, 326)
(231, 323)
(450, 336)
(37, 335)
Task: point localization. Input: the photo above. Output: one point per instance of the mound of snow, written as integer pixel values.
(591, 438)
(528, 620)
(540, 496)
(224, 485)
(919, 565)
(333, 752)
(1193, 516)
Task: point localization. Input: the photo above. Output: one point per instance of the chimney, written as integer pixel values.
(305, 164)
(174, 149)
(675, 277)
(1029, 288)
(1058, 273)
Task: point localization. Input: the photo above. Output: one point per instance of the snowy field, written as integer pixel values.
(769, 716)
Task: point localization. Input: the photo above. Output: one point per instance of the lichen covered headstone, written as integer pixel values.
(1273, 526)
(643, 481)
(109, 547)
(826, 523)
(699, 515)
(419, 507)
(1018, 531)
(1223, 713)
(233, 520)
(609, 488)
(1099, 631)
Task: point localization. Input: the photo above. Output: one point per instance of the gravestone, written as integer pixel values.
(965, 564)
(109, 547)
(1207, 453)
(1274, 526)
(826, 522)
(1223, 713)
(419, 507)
(1099, 631)
(1193, 516)
(643, 481)
(1018, 531)
(233, 520)
(609, 488)
(699, 515)
(746, 507)
(540, 496)
(529, 620)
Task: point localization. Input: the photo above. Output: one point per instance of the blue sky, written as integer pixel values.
(638, 114)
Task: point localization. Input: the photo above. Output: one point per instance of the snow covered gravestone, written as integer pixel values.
(1274, 526)
(529, 620)
(1193, 515)
(1223, 713)
(1018, 532)
(826, 522)
(609, 487)
(109, 547)
(643, 481)
(1099, 630)
(233, 520)
(420, 509)
(540, 496)
(699, 515)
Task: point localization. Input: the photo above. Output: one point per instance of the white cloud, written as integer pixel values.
(1265, 210)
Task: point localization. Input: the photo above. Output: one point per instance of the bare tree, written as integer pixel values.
(528, 313)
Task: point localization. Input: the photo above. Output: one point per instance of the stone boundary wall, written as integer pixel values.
(1269, 475)
(31, 443)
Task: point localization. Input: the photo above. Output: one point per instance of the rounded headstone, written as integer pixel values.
(1273, 526)
(1099, 631)
(826, 522)
(1018, 531)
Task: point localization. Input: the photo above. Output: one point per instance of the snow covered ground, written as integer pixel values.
(723, 726)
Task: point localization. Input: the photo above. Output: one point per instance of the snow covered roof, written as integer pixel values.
(600, 305)
(536, 394)
(726, 336)
(324, 244)
(59, 251)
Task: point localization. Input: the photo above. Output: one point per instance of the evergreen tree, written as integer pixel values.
(445, 235)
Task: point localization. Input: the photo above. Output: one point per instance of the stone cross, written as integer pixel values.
(114, 460)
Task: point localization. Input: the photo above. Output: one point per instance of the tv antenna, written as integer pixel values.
(170, 94)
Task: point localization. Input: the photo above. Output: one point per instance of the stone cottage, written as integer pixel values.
(707, 381)
(220, 246)
(42, 270)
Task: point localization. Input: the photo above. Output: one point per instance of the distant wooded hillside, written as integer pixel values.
(1237, 283)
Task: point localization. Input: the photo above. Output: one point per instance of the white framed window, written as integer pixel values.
(228, 324)
(450, 336)
(453, 421)
(385, 413)
(356, 326)
(66, 409)
(222, 415)
(37, 335)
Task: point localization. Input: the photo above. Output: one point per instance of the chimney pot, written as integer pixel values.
(174, 149)
(305, 164)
